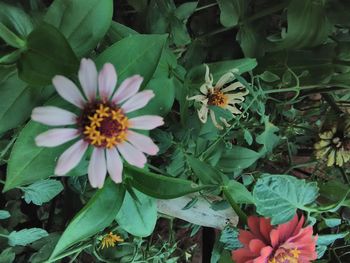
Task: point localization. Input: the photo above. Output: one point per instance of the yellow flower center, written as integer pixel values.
(103, 125)
(217, 98)
(288, 256)
(110, 240)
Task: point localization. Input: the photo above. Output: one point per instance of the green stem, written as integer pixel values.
(292, 89)
(8, 146)
(74, 251)
(205, 7)
(242, 216)
(2, 181)
(3, 235)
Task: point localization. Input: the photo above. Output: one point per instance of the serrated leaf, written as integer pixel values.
(279, 196)
(26, 236)
(4, 214)
(229, 237)
(42, 191)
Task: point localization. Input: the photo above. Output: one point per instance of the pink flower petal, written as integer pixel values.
(132, 155)
(138, 101)
(53, 116)
(71, 157)
(107, 80)
(146, 122)
(88, 78)
(55, 137)
(127, 89)
(97, 169)
(142, 143)
(68, 90)
(114, 165)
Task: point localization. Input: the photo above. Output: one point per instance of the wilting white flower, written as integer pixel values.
(102, 123)
(223, 94)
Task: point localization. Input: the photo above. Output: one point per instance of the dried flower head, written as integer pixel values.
(110, 240)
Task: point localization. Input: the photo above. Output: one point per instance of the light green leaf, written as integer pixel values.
(160, 186)
(45, 42)
(231, 11)
(34, 193)
(325, 240)
(136, 54)
(229, 237)
(268, 138)
(10, 38)
(205, 172)
(4, 214)
(82, 22)
(237, 158)
(26, 236)
(248, 137)
(138, 217)
(7, 256)
(332, 222)
(279, 196)
(239, 192)
(96, 215)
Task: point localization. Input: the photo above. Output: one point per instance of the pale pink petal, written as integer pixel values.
(71, 157)
(138, 101)
(142, 143)
(107, 80)
(127, 89)
(68, 90)
(88, 78)
(114, 165)
(51, 115)
(55, 137)
(132, 155)
(97, 168)
(146, 122)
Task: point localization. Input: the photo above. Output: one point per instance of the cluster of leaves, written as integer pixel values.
(295, 55)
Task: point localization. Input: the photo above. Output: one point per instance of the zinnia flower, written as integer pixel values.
(221, 94)
(287, 243)
(334, 145)
(102, 123)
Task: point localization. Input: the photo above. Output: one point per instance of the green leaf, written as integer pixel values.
(179, 32)
(136, 54)
(308, 26)
(248, 137)
(4, 214)
(237, 158)
(82, 22)
(138, 217)
(325, 240)
(20, 100)
(268, 138)
(252, 40)
(119, 31)
(34, 193)
(160, 186)
(332, 222)
(48, 54)
(26, 236)
(96, 215)
(29, 163)
(229, 237)
(231, 11)
(279, 196)
(205, 172)
(239, 193)
(10, 38)
(185, 10)
(7, 256)
(268, 76)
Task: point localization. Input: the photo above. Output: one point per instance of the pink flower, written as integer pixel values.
(102, 123)
(287, 243)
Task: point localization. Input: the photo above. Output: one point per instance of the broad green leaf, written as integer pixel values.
(206, 173)
(29, 163)
(179, 32)
(268, 138)
(82, 22)
(34, 193)
(45, 247)
(239, 192)
(231, 11)
(308, 26)
(160, 186)
(334, 195)
(237, 158)
(7, 256)
(279, 196)
(4, 214)
(10, 38)
(138, 217)
(15, 19)
(185, 10)
(26, 236)
(48, 54)
(20, 100)
(96, 215)
(119, 31)
(136, 54)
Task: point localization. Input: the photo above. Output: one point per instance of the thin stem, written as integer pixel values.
(3, 235)
(242, 216)
(8, 146)
(77, 250)
(205, 7)
(2, 181)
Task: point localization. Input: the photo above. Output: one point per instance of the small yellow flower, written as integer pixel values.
(95, 120)
(223, 94)
(110, 240)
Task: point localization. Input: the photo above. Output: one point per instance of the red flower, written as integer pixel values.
(287, 243)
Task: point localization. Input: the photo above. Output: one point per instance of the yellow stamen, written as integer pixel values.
(217, 98)
(103, 111)
(290, 256)
(95, 120)
(110, 240)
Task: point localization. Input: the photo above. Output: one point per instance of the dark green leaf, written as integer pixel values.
(96, 215)
(237, 158)
(239, 192)
(268, 138)
(206, 173)
(184, 11)
(268, 76)
(231, 11)
(7, 256)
